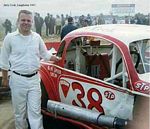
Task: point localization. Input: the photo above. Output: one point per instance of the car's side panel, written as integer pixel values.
(80, 90)
(96, 96)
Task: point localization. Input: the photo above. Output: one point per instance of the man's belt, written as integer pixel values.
(25, 75)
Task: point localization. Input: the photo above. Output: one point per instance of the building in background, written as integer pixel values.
(127, 10)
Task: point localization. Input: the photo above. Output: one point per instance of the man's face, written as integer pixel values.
(25, 22)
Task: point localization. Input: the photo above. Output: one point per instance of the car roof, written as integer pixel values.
(126, 33)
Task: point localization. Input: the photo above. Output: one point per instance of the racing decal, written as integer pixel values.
(102, 99)
(78, 86)
(109, 95)
(93, 103)
(65, 87)
(53, 71)
(142, 87)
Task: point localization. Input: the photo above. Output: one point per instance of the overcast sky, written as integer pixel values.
(73, 7)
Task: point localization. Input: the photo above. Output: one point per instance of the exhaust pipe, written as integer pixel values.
(86, 115)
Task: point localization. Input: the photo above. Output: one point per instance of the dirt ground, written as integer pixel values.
(6, 114)
(141, 118)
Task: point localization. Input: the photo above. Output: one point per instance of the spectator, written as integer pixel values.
(76, 22)
(38, 20)
(85, 23)
(52, 25)
(68, 28)
(47, 23)
(62, 20)
(89, 20)
(132, 20)
(101, 19)
(81, 20)
(7, 25)
(58, 24)
(126, 20)
(114, 21)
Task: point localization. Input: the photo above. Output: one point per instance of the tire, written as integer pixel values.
(44, 97)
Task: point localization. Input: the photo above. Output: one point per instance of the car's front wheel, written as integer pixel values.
(44, 97)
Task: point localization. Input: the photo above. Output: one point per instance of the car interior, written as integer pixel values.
(97, 58)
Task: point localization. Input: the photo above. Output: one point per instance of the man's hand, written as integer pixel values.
(4, 78)
(5, 82)
(55, 58)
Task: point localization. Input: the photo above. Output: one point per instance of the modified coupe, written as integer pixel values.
(103, 71)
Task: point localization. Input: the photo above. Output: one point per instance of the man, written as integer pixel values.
(85, 23)
(52, 25)
(58, 24)
(38, 21)
(68, 28)
(62, 20)
(47, 23)
(7, 25)
(21, 52)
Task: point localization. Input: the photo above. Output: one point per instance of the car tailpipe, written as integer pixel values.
(86, 115)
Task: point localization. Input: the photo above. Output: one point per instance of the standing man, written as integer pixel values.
(58, 24)
(52, 25)
(67, 28)
(7, 25)
(21, 52)
(62, 20)
(38, 20)
(47, 23)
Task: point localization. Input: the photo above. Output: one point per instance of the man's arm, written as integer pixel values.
(44, 53)
(5, 52)
(4, 78)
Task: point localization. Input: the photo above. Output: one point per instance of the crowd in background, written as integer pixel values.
(53, 25)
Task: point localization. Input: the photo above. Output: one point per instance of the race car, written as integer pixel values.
(102, 71)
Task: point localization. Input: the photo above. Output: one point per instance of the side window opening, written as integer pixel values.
(140, 53)
(87, 57)
(61, 49)
(72, 55)
(97, 58)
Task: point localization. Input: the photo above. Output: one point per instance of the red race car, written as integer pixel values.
(102, 73)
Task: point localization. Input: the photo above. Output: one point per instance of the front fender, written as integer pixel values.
(48, 84)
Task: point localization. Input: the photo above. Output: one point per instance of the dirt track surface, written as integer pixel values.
(6, 115)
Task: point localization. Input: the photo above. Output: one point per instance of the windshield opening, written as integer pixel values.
(140, 53)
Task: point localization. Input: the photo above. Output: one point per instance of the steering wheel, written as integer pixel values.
(136, 57)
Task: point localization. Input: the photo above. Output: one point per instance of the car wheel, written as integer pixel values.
(44, 97)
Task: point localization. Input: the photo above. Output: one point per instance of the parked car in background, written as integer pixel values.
(102, 73)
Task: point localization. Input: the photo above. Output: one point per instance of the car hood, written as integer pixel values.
(145, 77)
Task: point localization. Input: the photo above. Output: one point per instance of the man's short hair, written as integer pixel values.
(70, 19)
(24, 11)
